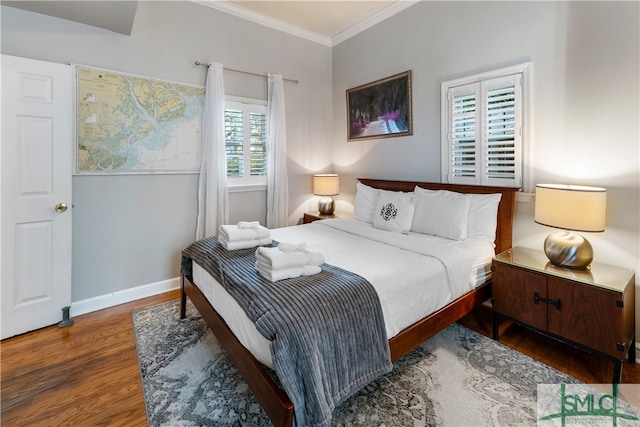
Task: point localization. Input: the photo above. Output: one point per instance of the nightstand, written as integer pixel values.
(310, 217)
(592, 309)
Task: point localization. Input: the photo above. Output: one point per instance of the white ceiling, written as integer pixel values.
(324, 21)
(328, 18)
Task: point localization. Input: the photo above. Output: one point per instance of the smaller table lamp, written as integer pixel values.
(326, 184)
(570, 207)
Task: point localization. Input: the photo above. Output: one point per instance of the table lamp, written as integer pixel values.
(570, 207)
(326, 184)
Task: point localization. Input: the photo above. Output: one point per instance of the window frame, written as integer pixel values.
(247, 182)
(525, 70)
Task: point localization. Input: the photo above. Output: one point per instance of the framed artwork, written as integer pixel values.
(380, 109)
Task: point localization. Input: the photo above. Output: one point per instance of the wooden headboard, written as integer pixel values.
(504, 230)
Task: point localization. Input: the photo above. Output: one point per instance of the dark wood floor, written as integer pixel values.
(87, 374)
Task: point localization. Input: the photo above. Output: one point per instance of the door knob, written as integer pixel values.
(61, 207)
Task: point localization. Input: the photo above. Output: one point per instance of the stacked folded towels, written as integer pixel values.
(245, 234)
(286, 261)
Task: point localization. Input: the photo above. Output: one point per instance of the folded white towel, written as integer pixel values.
(276, 259)
(234, 233)
(289, 273)
(243, 244)
(292, 247)
(248, 224)
(315, 258)
(261, 263)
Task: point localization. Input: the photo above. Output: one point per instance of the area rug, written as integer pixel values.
(456, 378)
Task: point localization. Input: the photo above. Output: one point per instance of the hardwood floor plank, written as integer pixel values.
(88, 374)
(85, 374)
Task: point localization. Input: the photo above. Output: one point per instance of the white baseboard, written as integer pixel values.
(120, 297)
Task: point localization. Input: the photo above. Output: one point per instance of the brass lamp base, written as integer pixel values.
(326, 206)
(569, 250)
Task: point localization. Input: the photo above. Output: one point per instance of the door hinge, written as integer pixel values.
(620, 303)
(620, 346)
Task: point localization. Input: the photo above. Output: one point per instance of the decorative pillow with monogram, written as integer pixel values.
(394, 211)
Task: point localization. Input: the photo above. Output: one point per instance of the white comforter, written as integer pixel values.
(407, 271)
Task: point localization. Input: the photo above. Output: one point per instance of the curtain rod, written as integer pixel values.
(245, 72)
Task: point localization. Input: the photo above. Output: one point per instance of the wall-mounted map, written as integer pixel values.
(133, 124)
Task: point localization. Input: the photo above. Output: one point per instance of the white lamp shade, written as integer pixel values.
(326, 184)
(571, 207)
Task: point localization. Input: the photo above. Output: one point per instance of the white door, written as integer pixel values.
(36, 174)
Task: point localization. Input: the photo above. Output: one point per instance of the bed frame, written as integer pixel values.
(274, 401)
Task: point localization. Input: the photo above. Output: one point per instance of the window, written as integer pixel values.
(246, 142)
(485, 127)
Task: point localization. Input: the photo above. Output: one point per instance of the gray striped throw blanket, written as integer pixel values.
(327, 332)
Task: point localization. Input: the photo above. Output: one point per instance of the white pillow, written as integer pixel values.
(394, 211)
(483, 216)
(365, 202)
(442, 213)
(419, 190)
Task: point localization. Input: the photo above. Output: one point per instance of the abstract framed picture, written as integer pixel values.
(380, 109)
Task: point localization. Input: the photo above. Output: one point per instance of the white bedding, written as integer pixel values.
(410, 284)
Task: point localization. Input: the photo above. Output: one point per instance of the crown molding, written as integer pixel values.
(250, 15)
(365, 24)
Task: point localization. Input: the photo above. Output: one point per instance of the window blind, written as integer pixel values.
(484, 137)
(246, 142)
(500, 135)
(258, 146)
(234, 141)
(463, 135)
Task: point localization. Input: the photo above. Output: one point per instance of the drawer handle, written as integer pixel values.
(537, 299)
(555, 302)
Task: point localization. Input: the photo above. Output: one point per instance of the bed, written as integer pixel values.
(406, 332)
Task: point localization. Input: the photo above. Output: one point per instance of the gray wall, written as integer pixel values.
(586, 115)
(129, 230)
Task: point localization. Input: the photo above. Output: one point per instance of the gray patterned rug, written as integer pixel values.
(456, 378)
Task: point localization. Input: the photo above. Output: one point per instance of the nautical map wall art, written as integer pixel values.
(133, 124)
(380, 109)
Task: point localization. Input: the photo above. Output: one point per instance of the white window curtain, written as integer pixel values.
(213, 205)
(277, 185)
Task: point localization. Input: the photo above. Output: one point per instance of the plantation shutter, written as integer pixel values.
(484, 136)
(234, 141)
(246, 143)
(502, 131)
(463, 144)
(258, 146)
